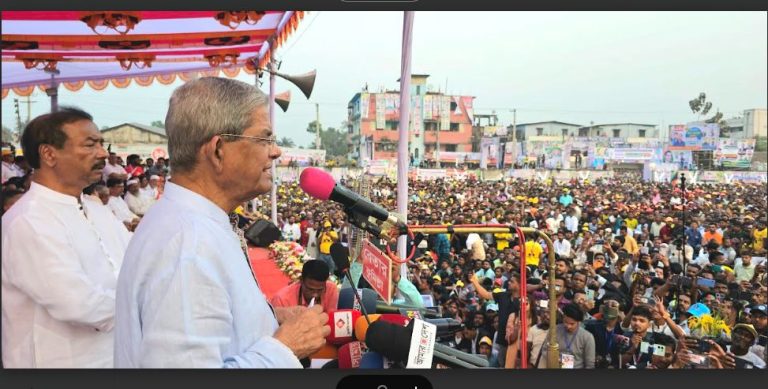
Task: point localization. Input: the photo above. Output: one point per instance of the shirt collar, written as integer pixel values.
(195, 202)
(47, 193)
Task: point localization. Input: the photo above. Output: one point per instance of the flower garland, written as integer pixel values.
(708, 326)
(290, 257)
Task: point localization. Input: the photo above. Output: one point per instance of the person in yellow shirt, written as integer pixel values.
(630, 244)
(502, 240)
(631, 222)
(326, 237)
(533, 252)
(759, 234)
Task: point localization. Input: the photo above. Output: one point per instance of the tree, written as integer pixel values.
(313, 126)
(8, 135)
(285, 142)
(334, 142)
(701, 107)
(158, 123)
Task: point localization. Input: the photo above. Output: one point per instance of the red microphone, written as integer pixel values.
(342, 323)
(350, 355)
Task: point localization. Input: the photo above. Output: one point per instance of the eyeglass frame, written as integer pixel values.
(269, 141)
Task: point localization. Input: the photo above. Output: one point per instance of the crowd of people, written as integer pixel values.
(639, 266)
(127, 189)
(646, 275)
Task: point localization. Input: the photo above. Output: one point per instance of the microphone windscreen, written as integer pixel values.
(347, 299)
(372, 360)
(340, 256)
(350, 355)
(391, 340)
(328, 351)
(361, 326)
(342, 325)
(317, 183)
(395, 319)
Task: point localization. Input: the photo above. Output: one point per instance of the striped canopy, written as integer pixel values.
(97, 48)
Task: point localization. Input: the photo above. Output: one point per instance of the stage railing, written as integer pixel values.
(553, 352)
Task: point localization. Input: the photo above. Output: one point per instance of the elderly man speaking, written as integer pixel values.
(186, 296)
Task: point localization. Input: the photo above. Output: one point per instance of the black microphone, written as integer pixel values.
(446, 326)
(382, 307)
(394, 342)
(340, 255)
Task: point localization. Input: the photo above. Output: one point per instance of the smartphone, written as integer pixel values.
(644, 300)
(659, 350)
(743, 364)
(543, 303)
(644, 250)
(706, 282)
(699, 360)
(704, 346)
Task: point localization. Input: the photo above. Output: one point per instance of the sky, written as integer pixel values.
(576, 67)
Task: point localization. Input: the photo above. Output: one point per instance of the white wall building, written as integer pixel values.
(751, 124)
(529, 131)
(622, 130)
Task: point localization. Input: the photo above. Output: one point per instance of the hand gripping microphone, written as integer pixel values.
(320, 184)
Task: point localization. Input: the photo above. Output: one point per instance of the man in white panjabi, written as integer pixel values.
(137, 202)
(60, 261)
(186, 296)
(118, 205)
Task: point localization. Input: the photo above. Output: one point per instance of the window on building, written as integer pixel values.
(641, 133)
(583, 131)
(539, 131)
(616, 133)
(450, 147)
(430, 126)
(391, 125)
(386, 146)
(565, 132)
(455, 127)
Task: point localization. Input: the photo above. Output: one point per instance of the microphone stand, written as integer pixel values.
(685, 235)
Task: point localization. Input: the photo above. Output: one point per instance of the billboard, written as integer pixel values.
(681, 158)
(694, 136)
(303, 157)
(734, 153)
(633, 154)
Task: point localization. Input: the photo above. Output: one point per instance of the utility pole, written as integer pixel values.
(514, 138)
(18, 116)
(437, 136)
(29, 109)
(317, 126)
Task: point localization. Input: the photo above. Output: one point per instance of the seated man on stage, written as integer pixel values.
(313, 284)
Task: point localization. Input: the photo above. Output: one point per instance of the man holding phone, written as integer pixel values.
(742, 338)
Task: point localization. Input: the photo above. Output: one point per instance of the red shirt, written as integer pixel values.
(289, 297)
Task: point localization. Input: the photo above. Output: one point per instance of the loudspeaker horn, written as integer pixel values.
(283, 99)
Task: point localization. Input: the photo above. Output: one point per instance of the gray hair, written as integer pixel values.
(203, 108)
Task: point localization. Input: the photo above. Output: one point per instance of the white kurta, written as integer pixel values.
(58, 282)
(9, 171)
(186, 296)
(138, 204)
(120, 208)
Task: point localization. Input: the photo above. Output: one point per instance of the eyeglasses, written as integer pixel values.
(270, 141)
